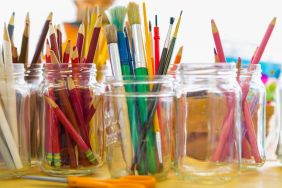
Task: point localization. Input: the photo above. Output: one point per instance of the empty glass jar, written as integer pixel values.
(208, 130)
(14, 122)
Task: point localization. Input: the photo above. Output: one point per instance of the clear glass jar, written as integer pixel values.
(15, 122)
(208, 132)
(72, 119)
(136, 143)
(34, 79)
(253, 116)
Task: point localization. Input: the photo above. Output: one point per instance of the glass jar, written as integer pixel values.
(15, 122)
(73, 131)
(253, 116)
(34, 79)
(208, 132)
(137, 142)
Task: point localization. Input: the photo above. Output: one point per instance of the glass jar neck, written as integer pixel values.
(207, 71)
(81, 71)
(252, 72)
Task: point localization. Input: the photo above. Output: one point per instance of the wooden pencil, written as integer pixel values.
(94, 41)
(15, 54)
(25, 42)
(59, 42)
(67, 51)
(217, 42)
(41, 40)
(11, 27)
(53, 41)
(80, 40)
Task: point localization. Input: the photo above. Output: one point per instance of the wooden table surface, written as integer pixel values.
(270, 176)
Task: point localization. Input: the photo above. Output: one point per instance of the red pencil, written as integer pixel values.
(217, 42)
(80, 40)
(48, 56)
(53, 41)
(66, 57)
(59, 41)
(42, 37)
(157, 45)
(264, 41)
(94, 40)
(68, 126)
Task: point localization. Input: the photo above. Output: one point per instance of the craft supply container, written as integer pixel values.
(253, 116)
(208, 130)
(34, 79)
(138, 118)
(76, 148)
(15, 122)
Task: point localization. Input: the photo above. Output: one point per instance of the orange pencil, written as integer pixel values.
(178, 56)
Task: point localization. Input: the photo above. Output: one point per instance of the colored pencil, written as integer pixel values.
(59, 42)
(217, 42)
(25, 42)
(11, 27)
(94, 41)
(15, 54)
(41, 40)
(53, 41)
(68, 126)
(264, 41)
(216, 60)
(80, 40)
(66, 56)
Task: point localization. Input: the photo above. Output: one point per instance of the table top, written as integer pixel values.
(270, 175)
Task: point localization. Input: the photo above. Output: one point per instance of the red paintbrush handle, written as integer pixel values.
(157, 48)
(251, 131)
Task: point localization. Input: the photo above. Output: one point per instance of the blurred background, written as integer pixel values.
(241, 23)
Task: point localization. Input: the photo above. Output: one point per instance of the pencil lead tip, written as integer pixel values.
(12, 19)
(214, 27)
(50, 16)
(171, 20)
(150, 26)
(273, 22)
(6, 35)
(214, 51)
(181, 12)
(156, 20)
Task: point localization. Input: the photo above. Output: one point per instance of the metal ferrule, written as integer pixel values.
(167, 39)
(139, 55)
(115, 60)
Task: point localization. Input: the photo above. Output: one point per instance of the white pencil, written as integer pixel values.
(11, 109)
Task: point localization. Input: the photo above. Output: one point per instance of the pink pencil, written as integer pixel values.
(217, 42)
(264, 41)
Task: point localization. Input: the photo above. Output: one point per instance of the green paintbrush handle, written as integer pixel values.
(143, 111)
(132, 111)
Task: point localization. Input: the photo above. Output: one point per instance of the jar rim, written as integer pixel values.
(140, 80)
(208, 69)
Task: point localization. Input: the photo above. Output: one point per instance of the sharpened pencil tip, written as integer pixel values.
(171, 20)
(6, 35)
(273, 22)
(156, 20)
(214, 27)
(181, 12)
(50, 102)
(150, 26)
(12, 19)
(50, 16)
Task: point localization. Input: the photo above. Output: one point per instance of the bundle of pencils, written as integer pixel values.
(10, 109)
(73, 132)
(129, 60)
(250, 146)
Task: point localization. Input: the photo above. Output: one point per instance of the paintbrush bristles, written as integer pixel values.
(118, 17)
(111, 34)
(133, 13)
